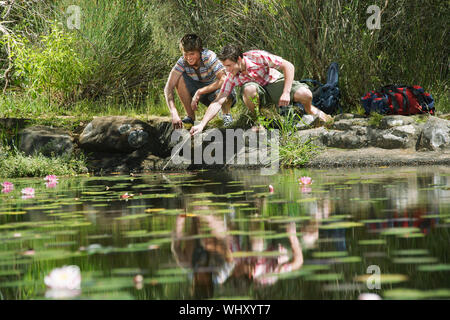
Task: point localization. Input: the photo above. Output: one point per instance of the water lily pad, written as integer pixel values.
(329, 254)
(413, 294)
(307, 200)
(434, 267)
(352, 259)
(325, 277)
(384, 278)
(372, 242)
(12, 212)
(413, 260)
(399, 231)
(341, 225)
(411, 252)
(172, 271)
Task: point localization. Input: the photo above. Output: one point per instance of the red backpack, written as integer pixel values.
(398, 99)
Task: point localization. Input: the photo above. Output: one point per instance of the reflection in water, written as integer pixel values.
(231, 235)
(211, 261)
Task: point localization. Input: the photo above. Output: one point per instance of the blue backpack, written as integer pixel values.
(326, 96)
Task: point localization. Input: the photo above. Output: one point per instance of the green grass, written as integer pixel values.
(15, 164)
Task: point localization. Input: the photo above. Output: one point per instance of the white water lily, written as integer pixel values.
(65, 278)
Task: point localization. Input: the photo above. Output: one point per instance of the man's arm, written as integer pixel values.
(288, 71)
(221, 76)
(210, 113)
(172, 81)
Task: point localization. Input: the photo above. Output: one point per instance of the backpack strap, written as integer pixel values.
(315, 82)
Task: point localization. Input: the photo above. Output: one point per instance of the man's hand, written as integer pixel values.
(195, 100)
(196, 129)
(285, 99)
(176, 122)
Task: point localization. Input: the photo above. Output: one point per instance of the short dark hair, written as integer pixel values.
(231, 52)
(191, 42)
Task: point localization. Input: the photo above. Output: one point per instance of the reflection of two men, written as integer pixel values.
(210, 255)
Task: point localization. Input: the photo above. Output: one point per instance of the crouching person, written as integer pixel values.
(197, 77)
(257, 72)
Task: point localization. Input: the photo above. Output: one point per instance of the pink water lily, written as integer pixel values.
(305, 180)
(28, 191)
(7, 187)
(270, 188)
(51, 184)
(51, 178)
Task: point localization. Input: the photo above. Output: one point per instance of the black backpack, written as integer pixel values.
(326, 96)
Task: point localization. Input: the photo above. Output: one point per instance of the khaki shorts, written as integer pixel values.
(271, 93)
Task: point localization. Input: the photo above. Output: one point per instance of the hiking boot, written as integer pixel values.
(227, 119)
(188, 122)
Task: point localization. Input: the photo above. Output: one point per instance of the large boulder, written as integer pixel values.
(46, 140)
(116, 134)
(395, 137)
(435, 135)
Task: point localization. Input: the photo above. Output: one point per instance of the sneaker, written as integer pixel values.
(227, 120)
(188, 122)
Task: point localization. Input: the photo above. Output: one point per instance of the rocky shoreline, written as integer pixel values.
(123, 144)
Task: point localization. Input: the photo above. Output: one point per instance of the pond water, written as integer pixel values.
(223, 234)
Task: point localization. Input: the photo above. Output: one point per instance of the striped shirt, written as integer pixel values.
(210, 65)
(261, 68)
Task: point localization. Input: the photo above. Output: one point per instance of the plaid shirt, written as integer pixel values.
(210, 65)
(261, 68)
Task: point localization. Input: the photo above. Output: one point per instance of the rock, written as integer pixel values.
(397, 137)
(45, 140)
(435, 135)
(315, 135)
(117, 134)
(346, 116)
(350, 124)
(392, 121)
(306, 123)
(344, 139)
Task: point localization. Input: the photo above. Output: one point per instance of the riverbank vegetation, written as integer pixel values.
(123, 50)
(75, 59)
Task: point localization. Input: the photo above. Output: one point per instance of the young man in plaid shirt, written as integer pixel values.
(197, 76)
(257, 73)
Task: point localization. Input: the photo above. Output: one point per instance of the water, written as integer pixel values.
(218, 234)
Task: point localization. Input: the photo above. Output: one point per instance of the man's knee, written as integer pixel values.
(250, 91)
(303, 95)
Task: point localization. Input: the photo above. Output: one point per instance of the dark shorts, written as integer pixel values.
(206, 99)
(271, 93)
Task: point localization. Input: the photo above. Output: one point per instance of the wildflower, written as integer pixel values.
(270, 188)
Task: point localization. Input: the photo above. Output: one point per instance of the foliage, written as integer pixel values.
(14, 164)
(131, 49)
(375, 119)
(51, 67)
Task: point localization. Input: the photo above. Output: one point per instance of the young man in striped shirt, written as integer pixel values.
(257, 73)
(197, 76)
